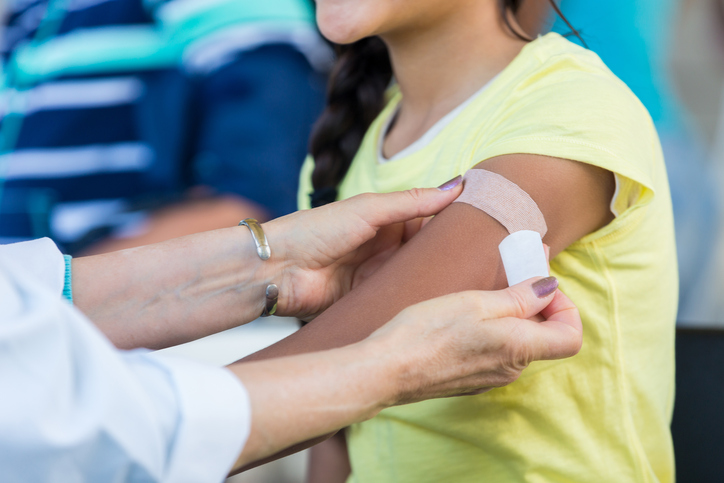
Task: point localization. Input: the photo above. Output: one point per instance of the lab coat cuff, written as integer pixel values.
(215, 420)
(41, 260)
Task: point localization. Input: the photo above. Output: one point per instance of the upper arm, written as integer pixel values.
(458, 250)
(574, 197)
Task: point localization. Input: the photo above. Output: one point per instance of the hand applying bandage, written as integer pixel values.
(522, 252)
(458, 251)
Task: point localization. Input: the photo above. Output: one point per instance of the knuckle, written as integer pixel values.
(510, 374)
(469, 305)
(518, 354)
(365, 198)
(518, 303)
(576, 345)
(415, 195)
(473, 301)
(511, 377)
(504, 376)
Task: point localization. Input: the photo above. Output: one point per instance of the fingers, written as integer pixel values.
(560, 309)
(551, 340)
(522, 301)
(385, 208)
(560, 335)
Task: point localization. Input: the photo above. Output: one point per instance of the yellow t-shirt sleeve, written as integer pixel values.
(574, 109)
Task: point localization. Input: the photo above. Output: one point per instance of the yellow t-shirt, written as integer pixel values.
(602, 416)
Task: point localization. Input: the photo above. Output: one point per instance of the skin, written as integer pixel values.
(332, 371)
(180, 290)
(468, 44)
(459, 344)
(463, 343)
(463, 39)
(534, 16)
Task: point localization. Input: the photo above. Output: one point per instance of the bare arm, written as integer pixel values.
(172, 292)
(458, 344)
(181, 289)
(458, 251)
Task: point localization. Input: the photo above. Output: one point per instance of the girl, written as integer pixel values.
(471, 91)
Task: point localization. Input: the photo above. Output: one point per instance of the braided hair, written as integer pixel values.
(356, 95)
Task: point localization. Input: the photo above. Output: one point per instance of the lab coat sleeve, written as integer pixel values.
(41, 260)
(74, 408)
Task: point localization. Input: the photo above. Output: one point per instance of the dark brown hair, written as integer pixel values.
(355, 96)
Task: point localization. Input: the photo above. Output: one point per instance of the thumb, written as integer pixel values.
(383, 209)
(522, 301)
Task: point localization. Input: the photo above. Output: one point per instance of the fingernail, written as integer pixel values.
(545, 286)
(447, 186)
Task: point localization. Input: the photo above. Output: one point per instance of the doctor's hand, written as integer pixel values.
(471, 342)
(323, 253)
(459, 344)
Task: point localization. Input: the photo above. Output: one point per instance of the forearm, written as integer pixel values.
(185, 288)
(172, 292)
(296, 398)
(458, 251)
(439, 261)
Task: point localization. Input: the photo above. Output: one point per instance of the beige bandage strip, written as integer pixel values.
(503, 200)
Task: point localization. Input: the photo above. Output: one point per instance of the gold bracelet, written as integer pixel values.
(264, 251)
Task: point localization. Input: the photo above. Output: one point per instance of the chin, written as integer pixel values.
(341, 37)
(342, 22)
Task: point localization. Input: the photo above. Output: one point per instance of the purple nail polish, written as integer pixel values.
(447, 186)
(545, 286)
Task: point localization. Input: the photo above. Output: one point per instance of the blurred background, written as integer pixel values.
(126, 122)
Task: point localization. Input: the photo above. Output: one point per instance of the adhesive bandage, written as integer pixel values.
(522, 251)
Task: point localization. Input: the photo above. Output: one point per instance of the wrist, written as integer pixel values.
(278, 268)
(381, 373)
(237, 265)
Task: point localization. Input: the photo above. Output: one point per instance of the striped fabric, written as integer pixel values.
(112, 108)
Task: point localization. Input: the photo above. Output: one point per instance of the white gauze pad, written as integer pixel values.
(522, 251)
(523, 256)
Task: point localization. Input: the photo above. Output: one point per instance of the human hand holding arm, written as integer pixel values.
(458, 251)
(458, 344)
(182, 289)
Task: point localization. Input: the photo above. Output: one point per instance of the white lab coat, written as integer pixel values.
(73, 408)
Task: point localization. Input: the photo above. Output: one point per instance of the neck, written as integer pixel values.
(462, 50)
(439, 65)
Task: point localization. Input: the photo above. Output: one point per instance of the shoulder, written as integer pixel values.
(560, 100)
(566, 73)
(555, 77)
